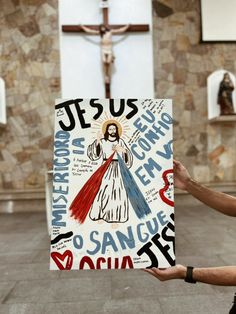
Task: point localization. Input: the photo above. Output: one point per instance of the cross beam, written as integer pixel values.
(78, 29)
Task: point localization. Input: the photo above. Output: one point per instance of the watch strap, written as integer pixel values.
(189, 275)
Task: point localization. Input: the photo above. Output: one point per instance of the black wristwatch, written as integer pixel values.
(189, 275)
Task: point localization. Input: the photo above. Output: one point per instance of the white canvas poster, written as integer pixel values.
(112, 204)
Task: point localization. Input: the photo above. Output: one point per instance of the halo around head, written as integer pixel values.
(104, 126)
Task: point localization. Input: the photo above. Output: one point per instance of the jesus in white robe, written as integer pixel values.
(111, 203)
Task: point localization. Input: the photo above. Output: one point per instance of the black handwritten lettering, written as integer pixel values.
(95, 104)
(130, 103)
(146, 249)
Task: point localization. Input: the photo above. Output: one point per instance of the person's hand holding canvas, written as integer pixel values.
(226, 204)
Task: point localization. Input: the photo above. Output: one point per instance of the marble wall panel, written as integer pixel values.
(29, 64)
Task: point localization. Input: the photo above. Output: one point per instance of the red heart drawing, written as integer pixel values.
(163, 192)
(57, 257)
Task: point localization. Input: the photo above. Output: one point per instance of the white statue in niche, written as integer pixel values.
(215, 89)
(3, 118)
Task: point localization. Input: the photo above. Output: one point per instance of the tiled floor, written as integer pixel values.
(204, 238)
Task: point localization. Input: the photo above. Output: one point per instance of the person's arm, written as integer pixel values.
(221, 202)
(120, 30)
(222, 276)
(89, 30)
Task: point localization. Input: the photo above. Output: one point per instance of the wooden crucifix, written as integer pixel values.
(106, 30)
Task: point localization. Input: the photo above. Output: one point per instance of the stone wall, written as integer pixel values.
(182, 65)
(29, 64)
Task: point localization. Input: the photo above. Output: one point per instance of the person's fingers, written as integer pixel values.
(150, 271)
(176, 162)
(160, 272)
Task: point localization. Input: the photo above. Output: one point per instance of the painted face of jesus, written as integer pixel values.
(112, 131)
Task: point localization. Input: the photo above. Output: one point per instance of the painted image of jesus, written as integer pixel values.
(111, 203)
(111, 192)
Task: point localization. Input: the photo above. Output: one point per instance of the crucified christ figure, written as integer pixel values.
(106, 46)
